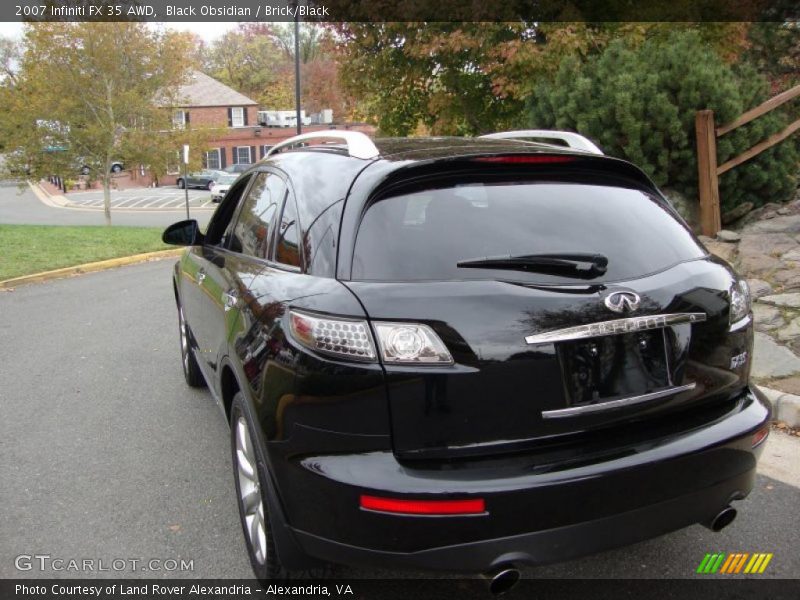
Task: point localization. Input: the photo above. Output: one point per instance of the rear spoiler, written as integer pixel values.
(572, 140)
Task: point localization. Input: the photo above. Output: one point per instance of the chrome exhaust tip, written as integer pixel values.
(501, 579)
(722, 519)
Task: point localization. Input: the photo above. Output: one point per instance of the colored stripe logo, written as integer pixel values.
(734, 563)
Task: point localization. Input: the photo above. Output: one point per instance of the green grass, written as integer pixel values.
(27, 249)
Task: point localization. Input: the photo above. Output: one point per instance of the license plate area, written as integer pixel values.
(605, 368)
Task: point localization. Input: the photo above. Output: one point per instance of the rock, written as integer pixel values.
(771, 360)
(726, 235)
(783, 211)
(767, 317)
(758, 288)
(757, 264)
(787, 278)
(788, 410)
(787, 224)
(774, 245)
(736, 213)
(791, 332)
(705, 239)
(726, 252)
(789, 385)
(791, 300)
(769, 215)
(792, 255)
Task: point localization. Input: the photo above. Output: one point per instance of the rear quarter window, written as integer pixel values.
(423, 235)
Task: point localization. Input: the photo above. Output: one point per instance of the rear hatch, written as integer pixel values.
(570, 302)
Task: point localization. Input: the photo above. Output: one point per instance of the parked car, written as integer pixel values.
(203, 179)
(239, 168)
(465, 354)
(116, 167)
(221, 186)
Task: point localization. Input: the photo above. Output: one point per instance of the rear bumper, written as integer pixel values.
(532, 517)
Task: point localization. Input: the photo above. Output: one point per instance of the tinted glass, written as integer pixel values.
(422, 235)
(220, 225)
(287, 250)
(252, 232)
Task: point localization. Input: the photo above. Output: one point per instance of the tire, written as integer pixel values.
(116, 168)
(85, 170)
(250, 475)
(181, 184)
(210, 185)
(191, 370)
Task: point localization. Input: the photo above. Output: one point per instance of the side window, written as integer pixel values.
(287, 250)
(220, 222)
(251, 235)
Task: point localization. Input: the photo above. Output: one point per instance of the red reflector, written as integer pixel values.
(474, 506)
(525, 159)
(760, 435)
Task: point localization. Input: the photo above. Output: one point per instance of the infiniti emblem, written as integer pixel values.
(622, 301)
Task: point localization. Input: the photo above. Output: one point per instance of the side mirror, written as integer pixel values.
(183, 233)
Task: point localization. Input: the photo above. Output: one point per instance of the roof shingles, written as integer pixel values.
(202, 90)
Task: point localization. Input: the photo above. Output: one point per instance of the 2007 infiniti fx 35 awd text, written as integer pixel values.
(464, 354)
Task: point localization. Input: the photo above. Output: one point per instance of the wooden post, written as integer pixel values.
(708, 184)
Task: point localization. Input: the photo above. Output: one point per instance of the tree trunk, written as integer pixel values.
(107, 198)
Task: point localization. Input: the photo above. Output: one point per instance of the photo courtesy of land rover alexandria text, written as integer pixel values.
(465, 354)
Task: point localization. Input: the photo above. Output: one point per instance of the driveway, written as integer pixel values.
(107, 454)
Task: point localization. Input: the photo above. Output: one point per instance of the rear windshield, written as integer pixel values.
(424, 234)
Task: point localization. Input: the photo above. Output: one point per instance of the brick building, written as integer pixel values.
(210, 103)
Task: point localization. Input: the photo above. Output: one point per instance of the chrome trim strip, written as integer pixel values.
(359, 145)
(613, 404)
(614, 327)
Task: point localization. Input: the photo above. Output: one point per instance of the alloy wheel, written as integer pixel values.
(250, 491)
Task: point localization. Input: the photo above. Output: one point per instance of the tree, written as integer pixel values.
(639, 102)
(91, 93)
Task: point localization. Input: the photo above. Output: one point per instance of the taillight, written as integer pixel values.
(532, 159)
(402, 506)
(740, 301)
(410, 343)
(760, 435)
(346, 338)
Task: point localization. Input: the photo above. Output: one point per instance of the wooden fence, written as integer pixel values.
(709, 171)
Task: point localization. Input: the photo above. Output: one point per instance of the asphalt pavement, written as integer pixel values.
(107, 454)
(169, 197)
(20, 206)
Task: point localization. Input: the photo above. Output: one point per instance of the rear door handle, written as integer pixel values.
(201, 275)
(230, 299)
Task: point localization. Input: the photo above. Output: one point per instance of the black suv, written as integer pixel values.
(463, 354)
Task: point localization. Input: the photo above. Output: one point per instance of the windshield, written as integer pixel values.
(426, 234)
(227, 179)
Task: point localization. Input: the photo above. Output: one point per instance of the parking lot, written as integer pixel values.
(163, 198)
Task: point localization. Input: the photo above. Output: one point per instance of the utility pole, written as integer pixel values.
(185, 176)
(297, 68)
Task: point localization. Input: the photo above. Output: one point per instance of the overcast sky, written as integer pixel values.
(207, 31)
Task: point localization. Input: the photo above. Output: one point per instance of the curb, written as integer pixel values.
(54, 200)
(786, 407)
(88, 268)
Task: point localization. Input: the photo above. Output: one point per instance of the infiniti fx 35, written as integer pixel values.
(460, 354)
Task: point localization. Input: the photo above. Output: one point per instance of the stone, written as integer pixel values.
(688, 208)
(790, 300)
(790, 332)
(788, 410)
(783, 211)
(725, 235)
(787, 224)
(736, 213)
(758, 288)
(771, 360)
(767, 317)
(789, 385)
(787, 279)
(757, 264)
(792, 255)
(726, 252)
(774, 245)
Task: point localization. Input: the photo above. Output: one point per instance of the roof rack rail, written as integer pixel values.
(573, 140)
(359, 145)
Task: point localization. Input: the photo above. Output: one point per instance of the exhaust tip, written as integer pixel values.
(724, 518)
(502, 579)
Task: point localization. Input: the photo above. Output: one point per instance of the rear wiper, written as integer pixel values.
(581, 265)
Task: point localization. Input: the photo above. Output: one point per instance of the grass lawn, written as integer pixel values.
(27, 249)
